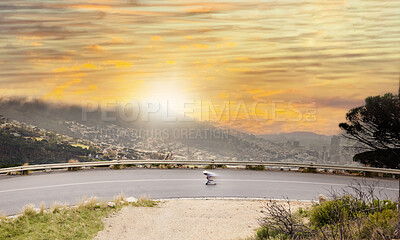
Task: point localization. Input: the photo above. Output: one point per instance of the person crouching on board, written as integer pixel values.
(210, 177)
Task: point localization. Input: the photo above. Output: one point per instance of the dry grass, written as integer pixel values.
(42, 207)
(3, 216)
(29, 210)
(58, 207)
(119, 198)
(144, 201)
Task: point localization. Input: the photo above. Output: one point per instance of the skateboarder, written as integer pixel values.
(210, 178)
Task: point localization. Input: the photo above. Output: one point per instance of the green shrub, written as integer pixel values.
(308, 170)
(387, 175)
(208, 167)
(303, 213)
(130, 165)
(381, 205)
(118, 166)
(380, 223)
(262, 233)
(257, 167)
(220, 166)
(25, 172)
(73, 168)
(370, 174)
(354, 172)
(265, 233)
(337, 210)
(165, 166)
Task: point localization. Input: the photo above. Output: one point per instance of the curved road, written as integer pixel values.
(70, 187)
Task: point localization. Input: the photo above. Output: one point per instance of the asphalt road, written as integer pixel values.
(71, 187)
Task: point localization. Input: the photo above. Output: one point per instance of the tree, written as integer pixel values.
(375, 127)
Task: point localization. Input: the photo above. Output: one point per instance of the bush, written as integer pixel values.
(308, 170)
(25, 172)
(208, 167)
(371, 174)
(118, 166)
(381, 205)
(257, 167)
(73, 168)
(280, 223)
(387, 175)
(356, 213)
(337, 210)
(265, 233)
(166, 166)
(380, 223)
(303, 213)
(130, 165)
(354, 172)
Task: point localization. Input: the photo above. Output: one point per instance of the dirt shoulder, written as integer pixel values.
(187, 219)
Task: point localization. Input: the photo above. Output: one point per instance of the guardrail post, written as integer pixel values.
(212, 164)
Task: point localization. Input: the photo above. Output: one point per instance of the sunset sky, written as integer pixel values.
(324, 55)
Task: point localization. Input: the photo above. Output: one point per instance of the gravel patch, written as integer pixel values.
(187, 219)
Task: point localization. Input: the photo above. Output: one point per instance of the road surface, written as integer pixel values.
(71, 187)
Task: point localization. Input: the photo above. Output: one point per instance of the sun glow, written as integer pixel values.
(168, 94)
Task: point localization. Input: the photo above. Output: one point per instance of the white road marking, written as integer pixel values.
(162, 180)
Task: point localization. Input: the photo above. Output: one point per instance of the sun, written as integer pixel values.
(170, 94)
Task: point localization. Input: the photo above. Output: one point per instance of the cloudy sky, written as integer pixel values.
(295, 65)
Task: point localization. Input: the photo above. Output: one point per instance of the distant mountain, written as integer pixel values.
(309, 139)
(41, 114)
(54, 117)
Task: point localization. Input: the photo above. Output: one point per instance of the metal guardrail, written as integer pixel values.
(195, 162)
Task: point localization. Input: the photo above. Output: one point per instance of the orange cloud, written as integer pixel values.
(98, 7)
(75, 68)
(171, 62)
(225, 45)
(118, 63)
(239, 69)
(200, 10)
(195, 46)
(58, 92)
(156, 38)
(94, 48)
(89, 89)
(223, 95)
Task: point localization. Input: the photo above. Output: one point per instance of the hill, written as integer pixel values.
(20, 145)
(309, 139)
(191, 139)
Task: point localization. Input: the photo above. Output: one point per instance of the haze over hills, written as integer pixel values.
(153, 135)
(309, 139)
(184, 139)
